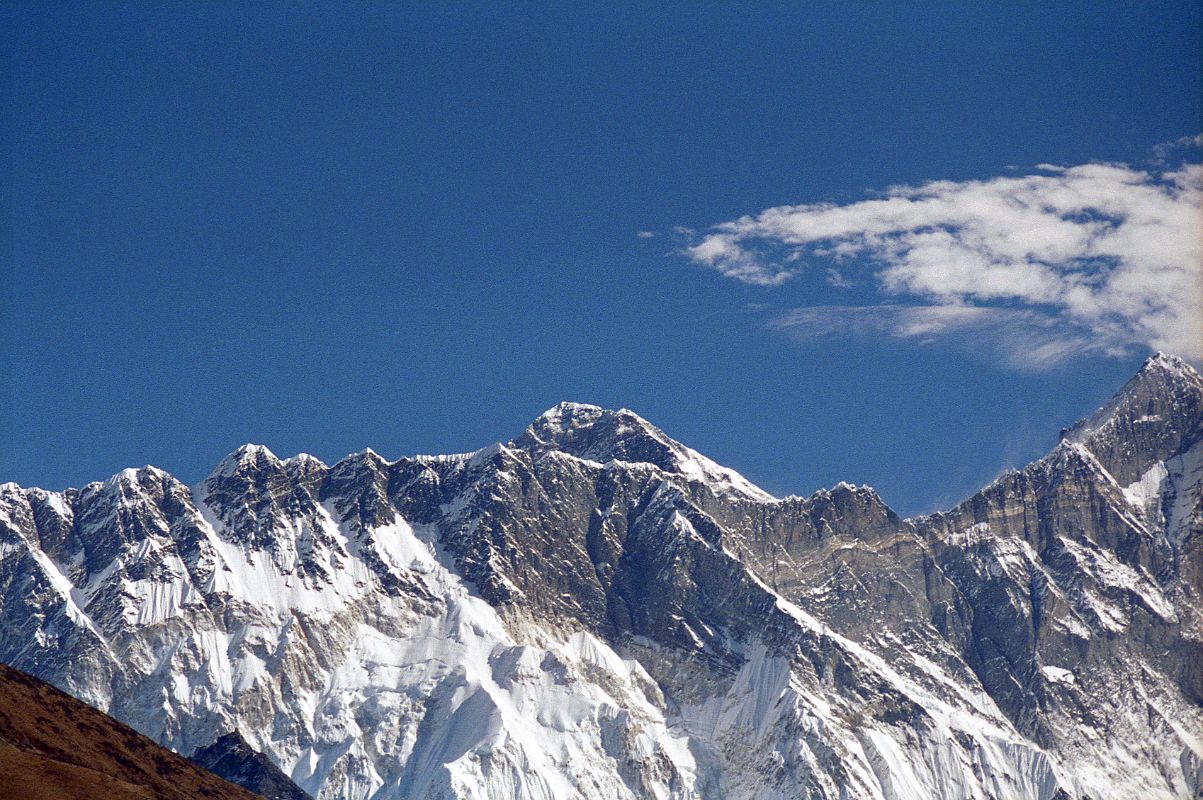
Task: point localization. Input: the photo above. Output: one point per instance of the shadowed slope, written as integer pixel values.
(235, 760)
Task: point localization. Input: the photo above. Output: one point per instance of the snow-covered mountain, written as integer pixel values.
(596, 611)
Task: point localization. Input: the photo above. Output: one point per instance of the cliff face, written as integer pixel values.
(596, 610)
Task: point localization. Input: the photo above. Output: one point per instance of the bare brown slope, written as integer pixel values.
(54, 746)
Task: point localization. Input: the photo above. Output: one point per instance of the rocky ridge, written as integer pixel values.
(593, 609)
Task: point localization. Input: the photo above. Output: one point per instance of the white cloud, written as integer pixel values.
(1096, 257)
(646, 234)
(733, 259)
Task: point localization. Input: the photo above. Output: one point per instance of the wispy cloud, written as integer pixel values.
(1020, 339)
(1096, 257)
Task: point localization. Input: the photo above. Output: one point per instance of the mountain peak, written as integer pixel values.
(134, 475)
(598, 434)
(304, 461)
(1162, 368)
(1167, 361)
(1155, 415)
(246, 458)
(570, 408)
(562, 422)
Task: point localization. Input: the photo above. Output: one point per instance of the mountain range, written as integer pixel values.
(594, 610)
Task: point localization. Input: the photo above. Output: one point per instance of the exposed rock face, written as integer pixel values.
(594, 610)
(236, 761)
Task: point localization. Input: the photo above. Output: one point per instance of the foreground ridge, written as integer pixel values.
(594, 609)
(52, 746)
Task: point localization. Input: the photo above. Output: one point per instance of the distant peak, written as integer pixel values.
(567, 416)
(129, 481)
(844, 487)
(1167, 362)
(578, 414)
(252, 451)
(366, 454)
(246, 458)
(134, 474)
(568, 407)
(304, 459)
(598, 434)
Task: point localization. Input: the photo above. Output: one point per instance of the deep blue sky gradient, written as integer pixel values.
(414, 228)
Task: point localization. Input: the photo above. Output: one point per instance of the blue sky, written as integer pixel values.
(416, 228)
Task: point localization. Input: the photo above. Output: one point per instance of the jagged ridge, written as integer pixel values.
(594, 609)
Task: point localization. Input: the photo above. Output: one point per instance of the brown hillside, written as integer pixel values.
(54, 747)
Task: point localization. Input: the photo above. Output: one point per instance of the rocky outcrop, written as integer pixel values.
(239, 763)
